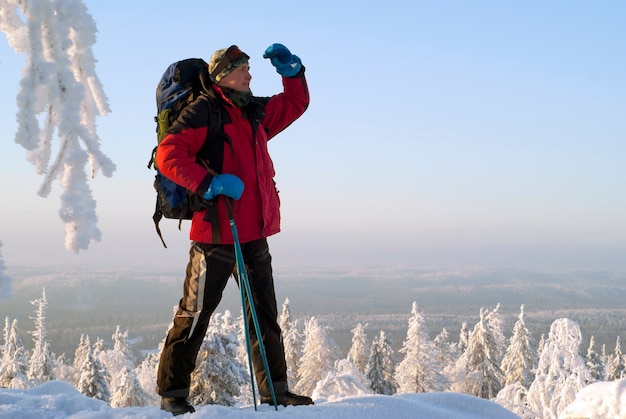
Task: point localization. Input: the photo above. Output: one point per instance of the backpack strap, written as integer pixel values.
(211, 156)
(156, 217)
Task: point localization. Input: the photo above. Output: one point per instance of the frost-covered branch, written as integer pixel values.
(60, 93)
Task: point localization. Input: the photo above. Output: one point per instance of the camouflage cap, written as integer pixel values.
(225, 60)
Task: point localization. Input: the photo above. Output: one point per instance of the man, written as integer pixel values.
(244, 188)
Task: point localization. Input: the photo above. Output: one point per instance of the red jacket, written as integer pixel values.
(257, 212)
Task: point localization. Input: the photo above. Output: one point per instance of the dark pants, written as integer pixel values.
(208, 271)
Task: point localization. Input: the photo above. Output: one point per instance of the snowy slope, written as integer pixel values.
(58, 399)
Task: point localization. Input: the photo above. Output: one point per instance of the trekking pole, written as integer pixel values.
(247, 334)
(245, 291)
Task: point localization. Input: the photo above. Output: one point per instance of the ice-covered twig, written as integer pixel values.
(61, 91)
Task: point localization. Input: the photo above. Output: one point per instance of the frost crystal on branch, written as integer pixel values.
(60, 93)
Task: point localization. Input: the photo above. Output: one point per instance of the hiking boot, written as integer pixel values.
(288, 399)
(176, 405)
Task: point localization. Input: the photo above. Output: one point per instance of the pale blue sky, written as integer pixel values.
(439, 132)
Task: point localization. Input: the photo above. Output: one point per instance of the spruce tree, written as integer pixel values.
(541, 345)
(291, 342)
(115, 359)
(518, 368)
(5, 335)
(345, 380)
(80, 354)
(520, 359)
(443, 347)
(129, 391)
(419, 371)
(463, 338)
(358, 350)
(41, 364)
(14, 361)
(242, 356)
(615, 365)
(93, 379)
(496, 327)
(146, 373)
(604, 356)
(121, 344)
(219, 374)
(484, 378)
(319, 354)
(81, 351)
(561, 371)
(63, 370)
(98, 348)
(381, 366)
(594, 362)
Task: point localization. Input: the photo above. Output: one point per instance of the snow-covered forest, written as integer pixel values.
(60, 97)
(534, 378)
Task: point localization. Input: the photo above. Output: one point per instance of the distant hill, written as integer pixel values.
(94, 302)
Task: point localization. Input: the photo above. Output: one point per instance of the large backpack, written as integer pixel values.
(182, 83)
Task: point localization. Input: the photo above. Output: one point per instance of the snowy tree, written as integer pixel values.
(291, 342)
(99, 347)
(219, 374)
(443, 348)
(495, 324)
(419, 371)
(117, 359)
(561, 371)
(457, 374)
(594, 362)
(615, 365)
(121, 344)
(381, 366)
(6, 282)
(541, 345)
(14, 361)
(41, 364)
(319, 354)
(517, 366)
(146, 375)
(93, 381)
(84, 346)
(358, 350)
(242, 356)
(520, 359)
(128, 391)
(345, 380)
(484, 378)
(604, 356)
(60, 88)
(64, 371)
(514, 397)
(242, 353)
(5, 335)
(463, 338)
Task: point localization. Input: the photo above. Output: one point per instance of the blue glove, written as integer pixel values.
(225, 184)
(287, 64)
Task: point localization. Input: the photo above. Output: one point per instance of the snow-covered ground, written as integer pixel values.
(57, 399)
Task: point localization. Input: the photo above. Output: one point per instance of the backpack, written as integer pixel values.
(182, 83)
